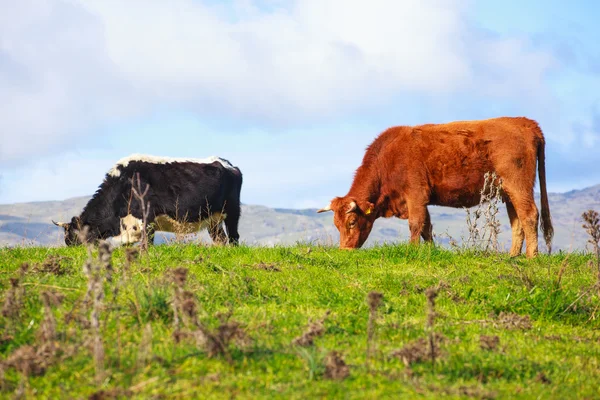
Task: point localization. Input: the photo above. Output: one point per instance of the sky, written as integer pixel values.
(291, 92)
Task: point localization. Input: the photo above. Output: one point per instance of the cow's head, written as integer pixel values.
(131, 230)
(354, 219)
(72, 230)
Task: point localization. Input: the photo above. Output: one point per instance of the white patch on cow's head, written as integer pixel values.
(131, 230)
(123, 162)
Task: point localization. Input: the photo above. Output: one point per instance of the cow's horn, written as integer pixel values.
(328, 208)
(352, 207)
(61, 224)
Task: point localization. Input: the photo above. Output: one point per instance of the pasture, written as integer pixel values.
(305, 321)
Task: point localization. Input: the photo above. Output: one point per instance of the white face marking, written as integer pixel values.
(114, 171)
(131, 230)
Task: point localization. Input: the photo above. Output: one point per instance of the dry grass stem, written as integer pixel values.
(335, 366)
(145, 347)
(431, 294)
(420, 350)
(513, 321)
(13, 301)
(374, 301)
(592, 227)
(185, 312)
(489, 342)
(140, 196)
(483, 224)
(314, 330)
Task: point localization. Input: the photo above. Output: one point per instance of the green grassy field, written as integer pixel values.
(503, 328)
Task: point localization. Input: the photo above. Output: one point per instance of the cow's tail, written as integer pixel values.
(239, 181)
(546, 220)
(236, 189)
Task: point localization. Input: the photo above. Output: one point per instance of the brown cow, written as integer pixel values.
(407, 168)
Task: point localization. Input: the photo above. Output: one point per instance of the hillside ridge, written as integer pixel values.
(30, 223)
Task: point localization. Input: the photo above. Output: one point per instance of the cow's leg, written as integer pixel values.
(518, 181)
(232, 219)
(528, 215)
(417, 215)
(427, 230)
(518, 235)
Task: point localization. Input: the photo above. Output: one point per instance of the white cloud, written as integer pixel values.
(272, 174)
(66, 65)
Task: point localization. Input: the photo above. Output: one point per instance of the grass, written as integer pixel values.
(504, 328)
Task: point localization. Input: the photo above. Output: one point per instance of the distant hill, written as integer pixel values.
(30, 223)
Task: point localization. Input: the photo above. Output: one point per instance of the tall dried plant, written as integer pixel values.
(431, 294)
(145, 347)
(373, 301)
(13, 300)
(179, 276)
(185, 309)
(140, 195)
(96, 273)
(592, 227)
(483, 224)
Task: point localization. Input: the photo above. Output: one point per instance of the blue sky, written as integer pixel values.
(290, 91)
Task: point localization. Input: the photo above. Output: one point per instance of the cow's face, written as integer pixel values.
(71, 231)
(131, 230)
(353, 219)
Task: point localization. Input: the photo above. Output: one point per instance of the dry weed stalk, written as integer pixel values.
(131, 254)
(2, 378)
(592, 227)
(34, 360)
(13, 301)
(51, 265)
(47, 332)
(140, 196)
(95, 294)
(98, 346)
(218, 340)
(489, 342)
(485, 238)
(424, 348)
(313, 331)
(513, 321)
(413, 352)
(335, 366)
(179, 277)
(185, 309)
(145, 348)
(431, 294)
(374, 301)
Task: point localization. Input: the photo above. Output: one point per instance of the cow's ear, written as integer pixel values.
(369, 208)
(76, 222)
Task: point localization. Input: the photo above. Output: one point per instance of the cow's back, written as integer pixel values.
(183, 190)
(449, 160)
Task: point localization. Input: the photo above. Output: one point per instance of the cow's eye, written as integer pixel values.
(352, 224)
(135, 228)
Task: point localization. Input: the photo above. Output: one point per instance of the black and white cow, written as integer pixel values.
(184, 194)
